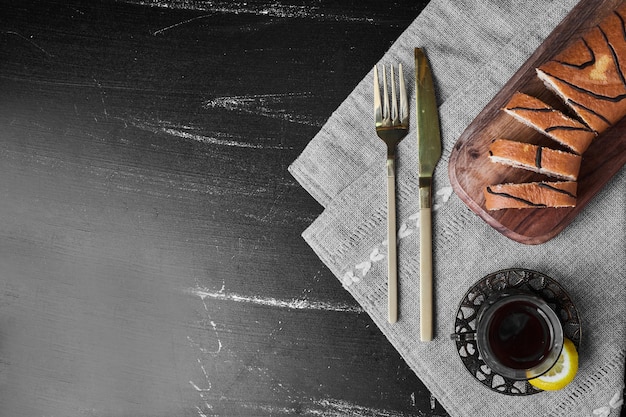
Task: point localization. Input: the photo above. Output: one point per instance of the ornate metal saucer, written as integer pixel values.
(524, 279)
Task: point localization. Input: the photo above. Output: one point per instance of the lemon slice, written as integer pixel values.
(563, 371)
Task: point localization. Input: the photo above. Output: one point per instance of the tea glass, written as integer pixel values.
(517, 334)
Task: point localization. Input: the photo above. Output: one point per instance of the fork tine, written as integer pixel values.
(404, 104)
(395, 113)
(378, 112)
(386, 118)
(394, 102)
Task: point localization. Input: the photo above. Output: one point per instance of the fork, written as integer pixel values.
(392, 125)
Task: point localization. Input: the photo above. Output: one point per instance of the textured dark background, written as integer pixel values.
(151, 262)
(150, 249)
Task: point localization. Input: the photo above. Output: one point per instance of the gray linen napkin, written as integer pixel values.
(474, 47)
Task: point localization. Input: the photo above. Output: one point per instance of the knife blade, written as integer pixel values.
(429, 153)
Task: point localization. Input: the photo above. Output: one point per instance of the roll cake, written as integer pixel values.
(535, 158)
(589, 74)
(530, 195)
(549, 121)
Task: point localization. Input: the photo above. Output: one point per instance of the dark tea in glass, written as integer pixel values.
(519, 335)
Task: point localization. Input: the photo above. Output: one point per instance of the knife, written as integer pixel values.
(429, 152)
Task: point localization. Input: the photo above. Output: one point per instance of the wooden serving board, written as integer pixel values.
(470, 169)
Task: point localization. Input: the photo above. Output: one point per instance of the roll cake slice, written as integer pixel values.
(589, 74)
(535, 158)
(549, 121)
(530, 195)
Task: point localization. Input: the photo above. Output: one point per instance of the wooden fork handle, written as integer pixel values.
(392, 256)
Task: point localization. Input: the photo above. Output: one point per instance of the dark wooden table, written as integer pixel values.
(150, 249)
(151, 262)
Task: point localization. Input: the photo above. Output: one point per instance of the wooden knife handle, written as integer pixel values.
(426, 275)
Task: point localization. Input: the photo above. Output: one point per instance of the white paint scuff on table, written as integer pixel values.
(267, 105)
(294, 304)
(192, 133)
(269, 9)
